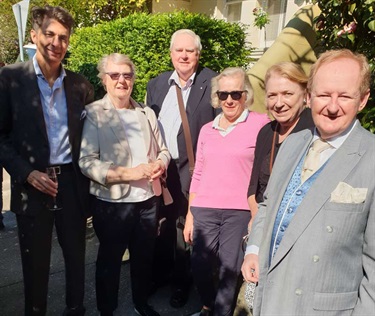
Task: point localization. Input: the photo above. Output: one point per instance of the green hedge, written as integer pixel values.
(146, 37)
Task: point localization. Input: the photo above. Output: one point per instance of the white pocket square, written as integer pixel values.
(344, 193)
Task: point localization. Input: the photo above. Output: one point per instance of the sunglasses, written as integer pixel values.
(235, 95)
(116, 75)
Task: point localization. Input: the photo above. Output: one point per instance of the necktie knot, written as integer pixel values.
(312, 160)
(319, 146)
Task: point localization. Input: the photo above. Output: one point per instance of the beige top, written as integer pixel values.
(105, 143)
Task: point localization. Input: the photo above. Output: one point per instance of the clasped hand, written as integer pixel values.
(150, 171)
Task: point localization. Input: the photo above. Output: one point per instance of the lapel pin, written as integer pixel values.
(83, 115)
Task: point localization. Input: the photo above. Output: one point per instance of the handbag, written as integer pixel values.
(167, 197)
(249, 294)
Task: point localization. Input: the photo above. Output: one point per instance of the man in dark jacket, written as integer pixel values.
(195, 84)
(41, 106)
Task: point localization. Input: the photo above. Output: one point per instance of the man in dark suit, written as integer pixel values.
(2, 226)
(195, 84)
(41, 107)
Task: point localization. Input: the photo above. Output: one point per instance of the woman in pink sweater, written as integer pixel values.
(218, 209)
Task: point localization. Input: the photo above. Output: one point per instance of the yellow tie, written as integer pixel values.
(312, 160)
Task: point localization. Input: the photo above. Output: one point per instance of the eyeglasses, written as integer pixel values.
(116, 75)
(235, 95)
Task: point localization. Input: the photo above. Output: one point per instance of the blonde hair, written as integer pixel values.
(333, 55)
(289, 70)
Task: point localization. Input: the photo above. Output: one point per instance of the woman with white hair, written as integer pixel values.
(218, 209)
(124, 155)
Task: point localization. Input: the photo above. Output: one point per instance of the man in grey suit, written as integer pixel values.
(312, 245)
(195, 83)
(41, 121)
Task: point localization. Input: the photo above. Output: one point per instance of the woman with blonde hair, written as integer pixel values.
(285, 85)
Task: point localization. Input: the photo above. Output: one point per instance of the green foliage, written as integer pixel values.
(145, 39)
(84, 12)
(350, 24)
(8, 32)
(92, 12)
(8, 40)
(261, 18)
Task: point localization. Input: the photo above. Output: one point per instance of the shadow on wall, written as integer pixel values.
(295, 43)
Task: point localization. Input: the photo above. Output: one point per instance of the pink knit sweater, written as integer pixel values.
(223, 164)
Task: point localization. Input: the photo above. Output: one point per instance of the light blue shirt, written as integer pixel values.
(169, 116)
(55, 113)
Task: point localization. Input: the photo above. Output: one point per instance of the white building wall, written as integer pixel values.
(283, 11)
(170, 5)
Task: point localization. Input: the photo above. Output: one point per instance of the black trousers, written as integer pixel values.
(120, 226)
(1, 193)
(35, 236)
(217, 246)
(172, 254)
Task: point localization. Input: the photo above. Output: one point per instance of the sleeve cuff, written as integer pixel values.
(252, 249)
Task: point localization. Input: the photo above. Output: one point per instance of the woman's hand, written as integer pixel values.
(142, 171)
(158, 169)
(120, 174)
(189, 226)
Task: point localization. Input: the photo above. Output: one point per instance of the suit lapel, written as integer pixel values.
(337, 169)
(31, 92)
(285, 164)
(197, 91)
(161, 91)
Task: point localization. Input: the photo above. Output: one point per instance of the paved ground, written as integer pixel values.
(11, 286)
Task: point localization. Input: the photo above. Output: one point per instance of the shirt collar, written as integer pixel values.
(39, 72)
(240, 119)
(175, 79)
(337, 141)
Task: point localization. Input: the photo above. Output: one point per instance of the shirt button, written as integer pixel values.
(290, 210)
(299, 192)
(316, 258)
(298, 292)
(282, 228)
(329, 229)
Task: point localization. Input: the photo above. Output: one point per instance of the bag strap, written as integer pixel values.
(275, 135)
(186, 129)
(163, 177)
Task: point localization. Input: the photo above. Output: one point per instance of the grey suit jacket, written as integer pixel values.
(104, 143)
(198, 109)
(325, 264)
(24, 143)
